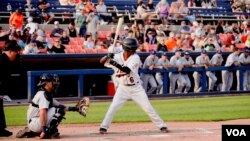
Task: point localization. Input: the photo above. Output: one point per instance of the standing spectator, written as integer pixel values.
(150, 64)
(244, 60)
(101, 9)
(93, 22)
(57, 47)
(57, 31)
(227, 75)
(31, 48)
(33, 26)
(43, 7)
(17, 19)
(72, 30)
(10, 55)
(65, 38)
(81, 23)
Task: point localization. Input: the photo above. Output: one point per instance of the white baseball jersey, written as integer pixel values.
(243, 59)
(216, 59)
(42, 103)
(161, 62)
(133, 63)
(201, 61)
(231, 59)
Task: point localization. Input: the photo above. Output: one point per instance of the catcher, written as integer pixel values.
(45, 113)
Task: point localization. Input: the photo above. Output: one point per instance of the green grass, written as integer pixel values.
(193, 109)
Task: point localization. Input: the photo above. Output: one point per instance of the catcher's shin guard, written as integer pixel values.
(56, 119)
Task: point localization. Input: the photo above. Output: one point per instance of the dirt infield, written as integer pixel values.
(179, 131)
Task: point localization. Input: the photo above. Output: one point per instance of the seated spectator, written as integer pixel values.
(139, 37)
(102, 11)
(98, 44)
(184, 13)
(142, 13)
(43, 7)
(108, 41)
(89, 43)
(17, 19)
(247, 43)
(57, 47)
(163, 8)
(89, 6)
(65, 38)
(26, 36)
(239, 6)
(219, 28)
(191, 3)
(198, 3)
(150, 5)
(161, 46)
(33, 26)
(213, 3)
(171, 42)
(64, 2)
(112, 33)
(57, 31)
(130, 34)
(31, 48)
(209, 46)
(42, 43)
(125, 34)
(30, 9)
(151, 38)
(151, 28)
(72, 30)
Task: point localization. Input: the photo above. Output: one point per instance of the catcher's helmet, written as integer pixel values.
(130, 44)
(45, 78)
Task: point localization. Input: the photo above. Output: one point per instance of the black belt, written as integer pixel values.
(129, 84)
(30, 120)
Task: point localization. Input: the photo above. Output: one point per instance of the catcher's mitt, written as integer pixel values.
(83, 106)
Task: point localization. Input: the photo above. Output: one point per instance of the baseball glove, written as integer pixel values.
(83, 106)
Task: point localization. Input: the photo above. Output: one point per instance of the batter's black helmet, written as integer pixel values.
(130, 44)
(45, 78)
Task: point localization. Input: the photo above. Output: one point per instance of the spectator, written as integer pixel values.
(247, 43)
(72, 30)
(33, 26)
(151, 28)
(103, 13)
(171, 43)
(139, 37)
(219, 28)
(65, 38)
(213, 3)
(151, 38)
(64, 2)
(17, 19)
(92, 24)
(98, 44)
(31, 48)
(26, 37)
(89, 6)
(163, 8)
(43, 7)
(57, 31)
(161, 46)
(125, 34)
(41, 42)
(174, 10)
(141, 12)
(81, 23)
(30, 9)
(130, 34)
(198, 3)
(57, 47)
(112, 33)
(209, 46)
(89, 43)
(191, 3)
(108, 41)
(150, 5)
(184, 13)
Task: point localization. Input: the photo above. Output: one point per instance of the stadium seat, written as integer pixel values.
(90, 50)
(102, 50)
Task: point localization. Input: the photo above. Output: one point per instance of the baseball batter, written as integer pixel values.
(227, 76)
(178, 62)
(216, 61)
(203, 60)
(188, 62)
(162, 63)
(45, 113)
(244, 60)
(126, 70)
(150, 64)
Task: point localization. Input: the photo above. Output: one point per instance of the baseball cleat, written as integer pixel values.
(164, 130)
(26, 132)
(5, 133)
(103, 131)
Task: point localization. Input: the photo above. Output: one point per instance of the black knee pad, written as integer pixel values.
(56, 119)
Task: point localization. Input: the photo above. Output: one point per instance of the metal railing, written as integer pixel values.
(82, 72)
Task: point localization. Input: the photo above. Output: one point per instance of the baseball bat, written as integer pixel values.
(118, 29)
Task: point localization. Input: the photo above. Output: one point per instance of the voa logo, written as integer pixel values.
(236, 132)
